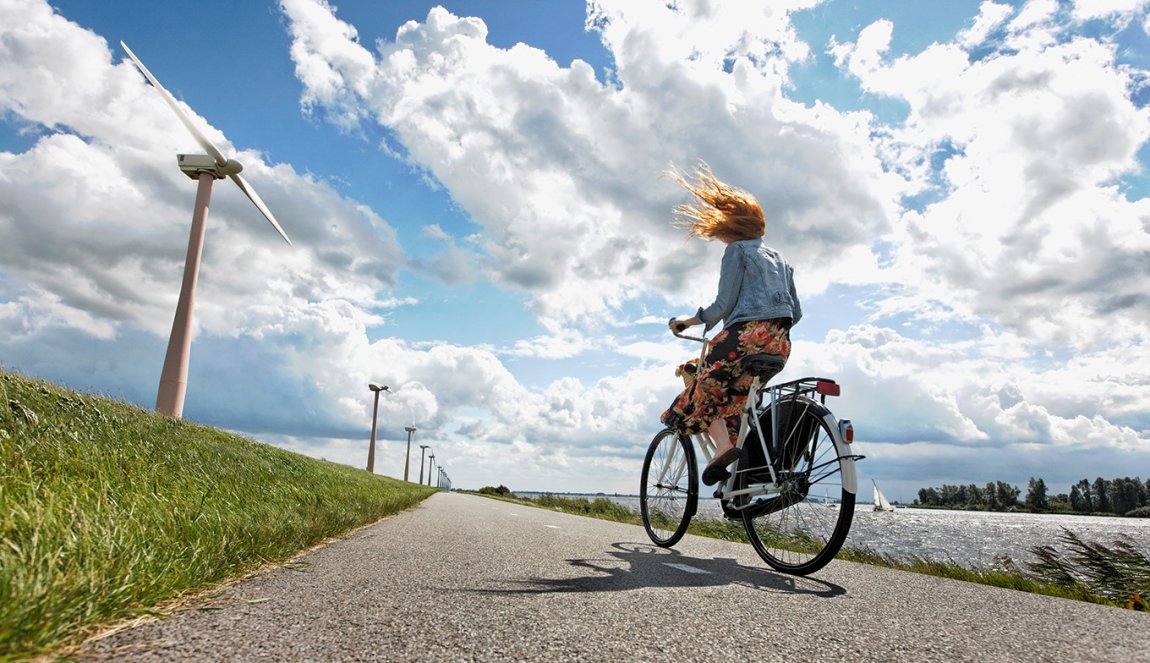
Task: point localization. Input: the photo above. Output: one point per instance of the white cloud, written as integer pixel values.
(561, 175)
(95, 218)
(562, 171)
(296, 318)
(1028, 242)
(1120, 11)
(562, 344)
(990, 16)
(1030, 230)
(706, 34)
(120, 253)
(901, 390)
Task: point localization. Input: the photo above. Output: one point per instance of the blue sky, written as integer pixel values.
(474, 191)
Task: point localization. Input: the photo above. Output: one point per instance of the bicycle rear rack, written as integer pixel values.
(808, 387)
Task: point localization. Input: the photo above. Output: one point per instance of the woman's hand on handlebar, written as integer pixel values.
(677, 325)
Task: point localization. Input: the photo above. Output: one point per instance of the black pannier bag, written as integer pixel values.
(798, 426)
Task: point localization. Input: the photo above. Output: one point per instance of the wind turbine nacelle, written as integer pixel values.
(194, 164)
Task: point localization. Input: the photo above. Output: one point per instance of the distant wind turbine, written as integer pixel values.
(206, 169)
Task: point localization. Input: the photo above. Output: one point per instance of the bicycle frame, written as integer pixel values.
(750, 419)
(804, 446)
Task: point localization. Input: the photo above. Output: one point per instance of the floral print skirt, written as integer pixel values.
(720, 387)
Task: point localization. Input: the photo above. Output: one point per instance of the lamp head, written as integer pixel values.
(377, 387)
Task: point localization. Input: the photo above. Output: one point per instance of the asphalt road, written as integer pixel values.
(465, 578)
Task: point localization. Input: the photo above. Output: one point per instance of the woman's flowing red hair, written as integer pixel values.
(721, 211)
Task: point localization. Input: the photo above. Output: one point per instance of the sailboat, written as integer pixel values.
(880, 503)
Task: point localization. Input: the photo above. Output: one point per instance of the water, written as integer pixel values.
(969, 538)
(974, 538)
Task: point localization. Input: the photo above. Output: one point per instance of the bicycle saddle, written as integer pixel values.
(764, 366)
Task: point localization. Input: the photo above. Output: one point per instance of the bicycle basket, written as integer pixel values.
(687, 371)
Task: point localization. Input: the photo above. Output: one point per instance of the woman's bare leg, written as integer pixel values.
(715, 470)
(720, 436)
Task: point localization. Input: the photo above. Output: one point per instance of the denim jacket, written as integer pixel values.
(755, 283)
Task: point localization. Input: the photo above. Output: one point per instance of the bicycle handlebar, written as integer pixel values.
(677, 330)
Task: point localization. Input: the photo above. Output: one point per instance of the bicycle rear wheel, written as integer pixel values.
(800, 529)
(669, 492)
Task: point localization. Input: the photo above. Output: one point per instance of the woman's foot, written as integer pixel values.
(716, 470)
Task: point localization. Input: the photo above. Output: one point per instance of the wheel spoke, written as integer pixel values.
(668, 492)
(793, 531)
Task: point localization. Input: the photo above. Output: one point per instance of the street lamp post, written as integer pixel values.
(374, 413)
(431, 468)
(423, 451)
(407, 460)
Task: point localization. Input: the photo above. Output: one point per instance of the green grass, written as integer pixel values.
(1005, 574)
(107, 510)
(1117, 576)
(1118, 572)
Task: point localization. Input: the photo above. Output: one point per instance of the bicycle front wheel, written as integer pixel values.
(669, 492)
(801, 528)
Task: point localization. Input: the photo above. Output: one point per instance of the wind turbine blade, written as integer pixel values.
(255, 198)
(184, 118)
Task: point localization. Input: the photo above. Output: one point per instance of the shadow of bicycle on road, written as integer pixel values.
(638, 565)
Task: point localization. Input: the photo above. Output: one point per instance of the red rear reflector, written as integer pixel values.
(827, 388)
(848, 431)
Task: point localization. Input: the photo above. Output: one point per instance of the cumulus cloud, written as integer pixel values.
(1120, 11)
(1029, 228)
(1017, 136)
(283, 347)
(562, 171)
(95, 223)
(110, 142)
(966, 393)
(990, 17)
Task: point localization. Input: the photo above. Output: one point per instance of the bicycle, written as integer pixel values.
(798, 446)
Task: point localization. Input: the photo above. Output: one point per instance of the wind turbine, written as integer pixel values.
(206, 168)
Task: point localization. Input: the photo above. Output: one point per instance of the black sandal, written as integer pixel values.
(716, 470)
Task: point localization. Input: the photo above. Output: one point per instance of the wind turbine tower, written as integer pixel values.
(205, 168)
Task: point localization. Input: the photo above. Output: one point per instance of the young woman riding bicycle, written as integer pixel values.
(756, 302)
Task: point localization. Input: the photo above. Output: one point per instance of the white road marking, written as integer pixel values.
(688, 569)
(552, 526)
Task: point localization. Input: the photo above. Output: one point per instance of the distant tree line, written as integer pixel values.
(996, 496)
(1122, 497)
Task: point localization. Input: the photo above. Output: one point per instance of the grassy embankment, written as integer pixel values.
(1117, 575)
(107, 510)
